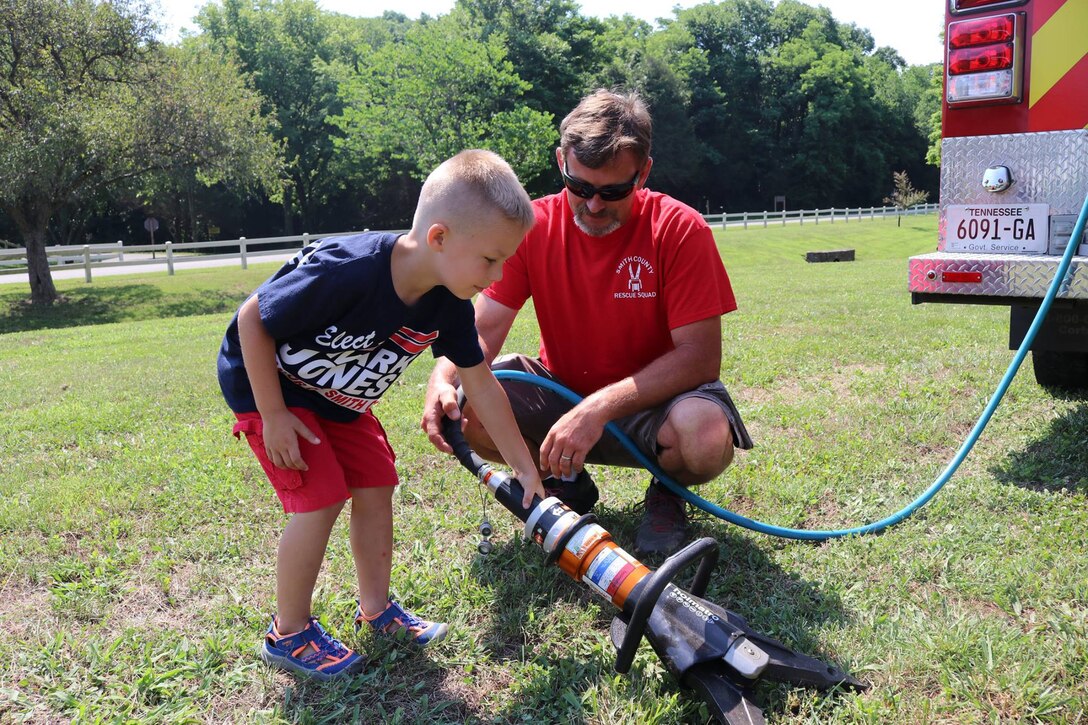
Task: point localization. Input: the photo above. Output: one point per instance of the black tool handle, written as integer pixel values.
(451, 431)
(509, 492)
(706, 550)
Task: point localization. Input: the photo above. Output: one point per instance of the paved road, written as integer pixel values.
(76, 271)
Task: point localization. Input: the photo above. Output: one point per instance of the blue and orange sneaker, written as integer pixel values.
(312, 652)
(394, 621)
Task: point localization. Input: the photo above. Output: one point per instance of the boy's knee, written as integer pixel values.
(328, 513)
(372, 495)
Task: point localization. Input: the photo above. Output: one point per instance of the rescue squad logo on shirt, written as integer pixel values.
(350, 370)
(636, 274)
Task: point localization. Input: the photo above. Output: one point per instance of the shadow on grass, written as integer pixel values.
(1056, 460)
(398, 684)
(745, 581)
(115, 303)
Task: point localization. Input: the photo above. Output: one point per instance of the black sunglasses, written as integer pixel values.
(611, 192)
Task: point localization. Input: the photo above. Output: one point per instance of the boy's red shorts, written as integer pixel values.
(350, 455)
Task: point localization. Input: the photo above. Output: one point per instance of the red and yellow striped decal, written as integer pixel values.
(1059, 65)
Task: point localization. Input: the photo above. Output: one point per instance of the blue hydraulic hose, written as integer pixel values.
(876, 526)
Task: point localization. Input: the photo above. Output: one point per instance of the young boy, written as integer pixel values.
(314, 348)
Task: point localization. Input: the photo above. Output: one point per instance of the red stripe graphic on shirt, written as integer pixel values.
(413, 342)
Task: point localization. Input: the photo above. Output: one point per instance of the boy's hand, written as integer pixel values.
(281, 432)
(530, 483)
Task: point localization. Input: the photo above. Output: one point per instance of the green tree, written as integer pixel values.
(904, 196)
(907, 100)
(661, 71)
(929, 108)
(836, 109)
(89, 100)
(283, 44)
(549, 44)
(439, 91)
(722, 50)
(774, 99)
(191, 201)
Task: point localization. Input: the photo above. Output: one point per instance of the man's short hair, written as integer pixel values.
(605, 123)
(472, 178)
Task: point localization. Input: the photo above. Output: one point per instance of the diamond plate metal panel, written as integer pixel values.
(1004, 275)
(1047, 168)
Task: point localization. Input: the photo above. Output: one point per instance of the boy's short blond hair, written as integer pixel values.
(464, 183)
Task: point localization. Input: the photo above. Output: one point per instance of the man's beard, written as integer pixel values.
(595, 231)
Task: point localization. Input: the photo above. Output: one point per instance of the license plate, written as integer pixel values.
(1012, 229)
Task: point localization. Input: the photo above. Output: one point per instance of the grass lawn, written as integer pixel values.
(137, 537)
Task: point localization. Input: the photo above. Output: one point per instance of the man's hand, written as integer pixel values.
(564, 449)
(281, 433)
(441, 400)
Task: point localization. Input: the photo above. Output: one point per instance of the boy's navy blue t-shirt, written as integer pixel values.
(342, 334)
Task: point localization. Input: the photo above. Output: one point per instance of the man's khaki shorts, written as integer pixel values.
(536, 410)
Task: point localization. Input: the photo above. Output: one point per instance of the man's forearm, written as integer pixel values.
(444, 372)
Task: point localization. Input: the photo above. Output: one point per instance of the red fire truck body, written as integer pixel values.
(1014, 172)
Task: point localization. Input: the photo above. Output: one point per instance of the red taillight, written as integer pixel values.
(985, 59)
(977, 60)
(969, 33)
(962, 277)
(959, 6)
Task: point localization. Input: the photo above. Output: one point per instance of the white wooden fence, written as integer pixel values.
(111, 255)
(813, 216)
(105, 256)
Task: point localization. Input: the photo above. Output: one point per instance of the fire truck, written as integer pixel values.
(1014, 173)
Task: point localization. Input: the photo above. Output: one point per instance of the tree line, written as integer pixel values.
(276, 117)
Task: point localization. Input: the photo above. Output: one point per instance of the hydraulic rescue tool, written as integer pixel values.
(705, 647)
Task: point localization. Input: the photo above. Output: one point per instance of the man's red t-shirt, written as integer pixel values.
(606, 305)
